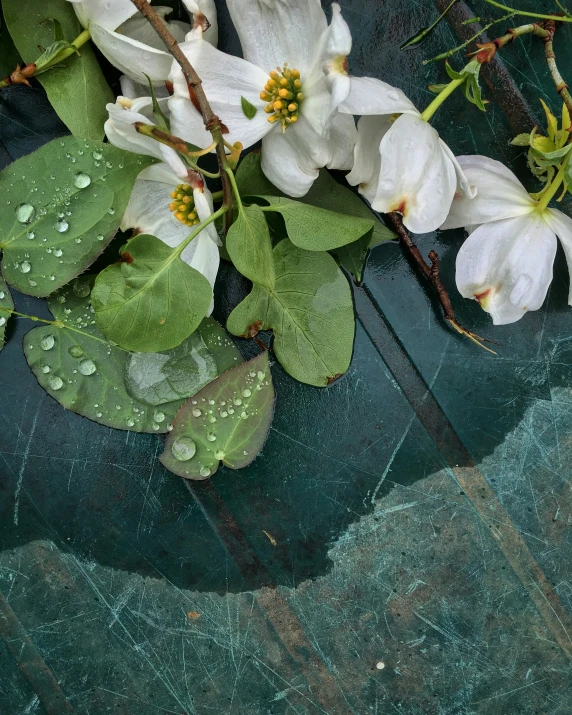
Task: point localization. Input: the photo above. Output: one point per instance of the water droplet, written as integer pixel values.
(47, 342)
(87, 367)
(211, 437)
(220, 454)
(31, 235)
(393, 94)
(183, 449)
(237, 401)
(32, 283)
(246, 392)
(111, 211)
(260, 375)
(25, 266)
(2, 295)
(76, 352)
(244, 415)
(81, 180)
(78, 240)
(212, 419)
(224, 414)
(100, 237)
(159, 416)
(81, 288)
(98, 414)
(45, 369)
(58, 252)
(197, 412)
(25, 213)
(2, 322)
(56, 383)
(131, 422)
(204, 471)
(109, 165)
(97, 155)
(61, 225)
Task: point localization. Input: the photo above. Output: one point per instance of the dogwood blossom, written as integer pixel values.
(285, 92)
(400, 163)
(129, 42)
(506, 262)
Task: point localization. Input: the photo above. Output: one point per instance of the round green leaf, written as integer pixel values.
(228, 421)
(61, 205)
(249, 246)
(310, 311)
(152, 300)
(5, 302)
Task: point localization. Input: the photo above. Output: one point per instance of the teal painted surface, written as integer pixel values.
(441, 551)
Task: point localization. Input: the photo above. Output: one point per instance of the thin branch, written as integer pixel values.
(431, 273)
(561, 86)
(212, 122)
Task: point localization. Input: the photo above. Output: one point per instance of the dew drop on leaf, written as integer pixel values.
(25, 266)
(2, 322)
(75, 351)
(61, 225)
(81, 288)
(87, 367)
(25, 213)
(220, 454)
(197, 412)
(183, 449)
(81, 180)
(211, 437)
(97, 155)
(56, 383)
(246, 392)
(47, 342)
(31, 235)
(159, 416)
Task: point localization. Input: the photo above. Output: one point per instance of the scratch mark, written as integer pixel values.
(24, 462)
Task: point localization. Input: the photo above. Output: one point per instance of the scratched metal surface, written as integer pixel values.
(420, 506)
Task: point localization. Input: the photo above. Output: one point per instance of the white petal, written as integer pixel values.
(507, 266)
(331, 60)
(372, 96)
(272, 32)
(463, 184)
(204, 205)
(104, 13)
(562, 225)
(226, 79)
(343, 137)
(140, 29)
(202, 254)
(417, 178)
(317, 106)
(161, 173)
(367, 161)
(131, 57)
(148, 212)
(134, 90)
(187, 122)
(207, 8)
(499, 194)
(121, 133)
(289, 170)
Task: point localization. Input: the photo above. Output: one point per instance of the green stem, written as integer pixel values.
(213, 217)
(35, 318)
(550, 192)
(235, 190)
(441, 97)
(560, 84)
(218, 195)
(80, 40)
(528, 14)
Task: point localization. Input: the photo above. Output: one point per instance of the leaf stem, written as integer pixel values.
(524, 13)
(235, 190)
(211, 121)
(549, 193)
(20, 76)
(441, 97)
(431, 273)
(450, 53)
(213, 217)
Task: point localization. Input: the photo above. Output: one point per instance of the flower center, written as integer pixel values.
(183, 205)
(283, 92)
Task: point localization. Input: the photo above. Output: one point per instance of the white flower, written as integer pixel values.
(121, 132)
(400, 163)
(169, 209)
(288, 48)
(506, 262)
(129, 42)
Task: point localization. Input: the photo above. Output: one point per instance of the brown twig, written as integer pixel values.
(431, 273)
(210, 119)
(561, 86)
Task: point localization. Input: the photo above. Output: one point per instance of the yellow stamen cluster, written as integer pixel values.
(283, 92)
(183, 205)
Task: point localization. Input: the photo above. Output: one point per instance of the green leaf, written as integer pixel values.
(310, 311)
(567, 172)
(521, 140)
(248, 109)
(353, 256)
(316, 229)
(152, 300)
(249, 247)
(551, 157)
(79, 91)
(9, 56)
(61, 205)
(175, 375)
(228, 421)
(49, 53)
(74, 363)
(5, 302)
(251, 180)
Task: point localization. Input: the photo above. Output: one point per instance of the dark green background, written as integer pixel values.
(421, 505)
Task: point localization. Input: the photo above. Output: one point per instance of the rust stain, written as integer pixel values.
(193, 615)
